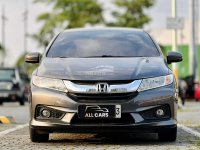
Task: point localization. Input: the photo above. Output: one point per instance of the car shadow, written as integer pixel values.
(110, 139)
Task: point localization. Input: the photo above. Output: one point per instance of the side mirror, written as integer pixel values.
(33, 58)
(174, 57)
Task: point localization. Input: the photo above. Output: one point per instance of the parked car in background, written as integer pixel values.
(182, 87)
(193, 90)
(12, 86)
(190, 80)
(26, 83)
(197, 92)
(113, 80)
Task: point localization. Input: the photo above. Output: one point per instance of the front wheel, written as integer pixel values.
(22, 100)
(38, 137)
(169, 136)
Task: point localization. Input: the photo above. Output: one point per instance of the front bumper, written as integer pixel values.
(10, 95)
(145, 100)
(152, 127)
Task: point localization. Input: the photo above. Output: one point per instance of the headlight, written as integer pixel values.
(49, 83)
(156, 82)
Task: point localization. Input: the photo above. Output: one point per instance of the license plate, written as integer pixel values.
(3, 95)
(99, 111)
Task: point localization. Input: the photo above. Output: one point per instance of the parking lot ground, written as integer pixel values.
(19, 139)
(190, 114)
(6, 126)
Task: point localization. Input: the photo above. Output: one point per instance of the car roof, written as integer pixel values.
(104, 28)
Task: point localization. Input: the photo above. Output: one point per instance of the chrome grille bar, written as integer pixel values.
(92, 88)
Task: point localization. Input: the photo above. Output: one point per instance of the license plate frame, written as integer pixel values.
(99, 111)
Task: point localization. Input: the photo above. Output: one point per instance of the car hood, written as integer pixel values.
(102, 69)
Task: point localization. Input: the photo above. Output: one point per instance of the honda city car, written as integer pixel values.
(103, 80)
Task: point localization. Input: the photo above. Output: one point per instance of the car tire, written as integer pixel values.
(169, 136)
(21, 102)
(1, 103)
(38, 137)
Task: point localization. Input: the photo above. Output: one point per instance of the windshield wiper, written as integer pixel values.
(89, 56)
(104, 56)
(61, 57)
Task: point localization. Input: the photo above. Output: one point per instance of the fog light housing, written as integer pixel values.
(160, 112)
(46, 113)
(157, 113)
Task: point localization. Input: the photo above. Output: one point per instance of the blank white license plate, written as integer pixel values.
(3, 94)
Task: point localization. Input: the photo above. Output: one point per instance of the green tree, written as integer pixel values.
(132, 13)
(1, 48)
(2, 53)
(67, 14)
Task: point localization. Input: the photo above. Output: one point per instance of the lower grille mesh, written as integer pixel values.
(102, 97)
(126, 118)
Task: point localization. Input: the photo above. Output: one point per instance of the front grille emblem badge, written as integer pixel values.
(102, 87)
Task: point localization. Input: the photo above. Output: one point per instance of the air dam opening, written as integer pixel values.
(126, 118)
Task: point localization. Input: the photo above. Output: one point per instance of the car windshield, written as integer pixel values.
(7, 74)
(103, 43)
